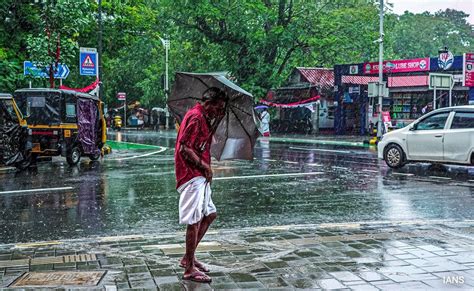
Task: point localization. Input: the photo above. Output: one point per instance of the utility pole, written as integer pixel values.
(381, 89)
(99, 56)
(166, 44)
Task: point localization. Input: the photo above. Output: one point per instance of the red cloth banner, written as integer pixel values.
(301, 103)
(468, 69)
(83, 90)
(399, 66)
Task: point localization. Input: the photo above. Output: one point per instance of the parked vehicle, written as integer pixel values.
(15, 146)
(445, 135)
(62, 122)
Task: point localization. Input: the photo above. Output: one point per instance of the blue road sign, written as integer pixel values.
(30, 68)
(88, 61)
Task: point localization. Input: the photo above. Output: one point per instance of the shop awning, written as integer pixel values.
(408, 81)
(321, 77)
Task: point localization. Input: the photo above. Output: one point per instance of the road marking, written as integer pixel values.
(37, 190)
(371, 171)
(290, 162)
(313, 165)
(321, 150)
(404, 174)
(270, 160)
(268, 176)
(139, 156)
(438, 177)
(337, 167)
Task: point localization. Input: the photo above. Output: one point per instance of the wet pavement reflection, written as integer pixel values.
(132, 191)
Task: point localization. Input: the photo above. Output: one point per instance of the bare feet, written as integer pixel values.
(200, 266)
(196, 276)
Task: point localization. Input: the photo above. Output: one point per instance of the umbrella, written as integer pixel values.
(261, 107)
(236, 133)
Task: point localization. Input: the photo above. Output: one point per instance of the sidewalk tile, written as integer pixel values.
(364, 287)
(371, 276)
(242, 277)
(344, 276)
(273, 282)
(330, 284)
(167, 279)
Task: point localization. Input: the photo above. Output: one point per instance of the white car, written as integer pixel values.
(443, 136)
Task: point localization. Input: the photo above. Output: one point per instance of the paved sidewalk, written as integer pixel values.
(424, 255)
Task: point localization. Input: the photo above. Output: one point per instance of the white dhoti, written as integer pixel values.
(195, 201)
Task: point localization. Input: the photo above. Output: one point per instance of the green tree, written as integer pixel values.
(422, 35)
(55, 38)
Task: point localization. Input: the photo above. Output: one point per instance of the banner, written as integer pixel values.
(399, 66)
(468, 70)
(303, 103)
(87, 89)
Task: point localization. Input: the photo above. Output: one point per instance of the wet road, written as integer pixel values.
(133, 191)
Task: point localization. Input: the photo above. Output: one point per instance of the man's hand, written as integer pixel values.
(208, 173)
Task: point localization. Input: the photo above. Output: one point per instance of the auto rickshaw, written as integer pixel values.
(15, 147)
(62, 123)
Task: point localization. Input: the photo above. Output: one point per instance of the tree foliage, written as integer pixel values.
(258, 42)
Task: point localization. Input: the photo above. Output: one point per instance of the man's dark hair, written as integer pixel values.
(214, 94)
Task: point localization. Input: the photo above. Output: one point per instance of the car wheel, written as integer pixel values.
(394, 156)
(74, 156)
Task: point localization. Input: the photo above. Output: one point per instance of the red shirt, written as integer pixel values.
(193, 132)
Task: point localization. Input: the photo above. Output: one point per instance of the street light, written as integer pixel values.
(166, 44)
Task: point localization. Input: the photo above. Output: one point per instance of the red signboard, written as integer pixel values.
(468, 69)
(386, 116)
(399, 66)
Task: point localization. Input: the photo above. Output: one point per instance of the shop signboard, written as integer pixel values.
(468, 70)
(354, 90)
(399, 66)
(354, 70)
(445, 60)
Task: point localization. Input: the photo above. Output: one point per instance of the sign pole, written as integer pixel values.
(97, 74)
(30, 84)
(125, 112)
(434, 97)
(451, 92)
(380, 91)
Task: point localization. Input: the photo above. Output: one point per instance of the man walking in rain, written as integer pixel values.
(194, 175)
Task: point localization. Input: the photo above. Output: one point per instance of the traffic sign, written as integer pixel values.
(121, 96)
(88, 61)
(30, 68)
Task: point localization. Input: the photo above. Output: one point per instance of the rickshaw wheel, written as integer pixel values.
(94, 157)
(74, 156)
(26, 162)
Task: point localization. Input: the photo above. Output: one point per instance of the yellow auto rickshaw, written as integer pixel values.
(62, 122)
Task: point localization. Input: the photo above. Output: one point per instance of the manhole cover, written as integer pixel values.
(53, 279)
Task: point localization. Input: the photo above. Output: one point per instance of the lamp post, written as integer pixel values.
(166, 44)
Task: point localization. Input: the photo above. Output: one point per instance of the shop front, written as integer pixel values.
(410, 94)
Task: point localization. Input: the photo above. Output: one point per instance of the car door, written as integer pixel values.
(459, 138)
(425, 140)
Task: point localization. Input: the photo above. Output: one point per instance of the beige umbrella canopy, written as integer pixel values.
(236, 133)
